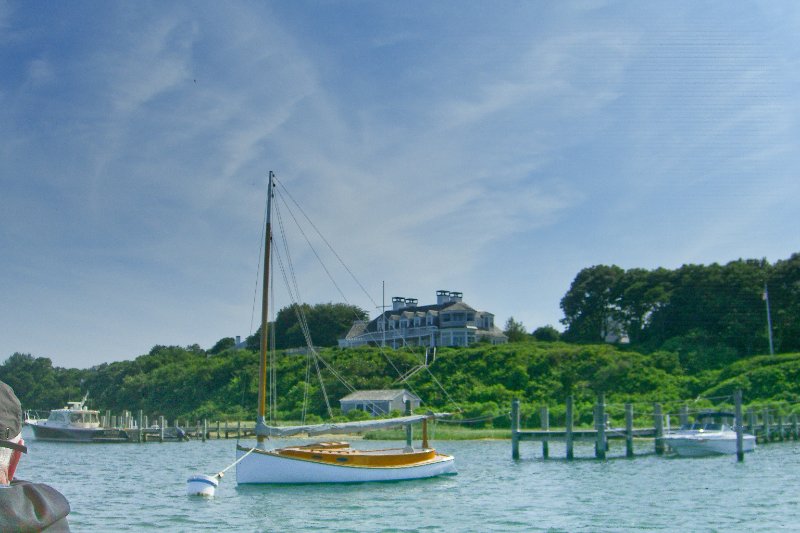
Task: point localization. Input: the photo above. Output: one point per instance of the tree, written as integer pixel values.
(327, 323)
(223, 344)
(515, 331)
(640, 294)
(37, 384)
(589, 305)
(546, 334)
(784, 299)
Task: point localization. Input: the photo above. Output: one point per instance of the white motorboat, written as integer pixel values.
(75, 423)
(709, 435)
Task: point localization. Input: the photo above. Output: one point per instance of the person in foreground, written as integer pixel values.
(24, 506)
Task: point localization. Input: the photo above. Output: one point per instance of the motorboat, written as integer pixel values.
(709, 435)
(75, 423)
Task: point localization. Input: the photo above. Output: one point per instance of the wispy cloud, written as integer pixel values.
(445, 146)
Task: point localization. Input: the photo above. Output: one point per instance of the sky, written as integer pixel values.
(491, 148)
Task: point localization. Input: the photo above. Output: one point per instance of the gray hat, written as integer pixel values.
(10, 418)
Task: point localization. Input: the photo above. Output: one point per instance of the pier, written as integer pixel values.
(764, 424)
(144, 429)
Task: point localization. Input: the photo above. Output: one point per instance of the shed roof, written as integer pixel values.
(378, 395)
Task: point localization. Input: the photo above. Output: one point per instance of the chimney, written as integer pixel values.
(456, 296)
(398, 302)
(411, 302)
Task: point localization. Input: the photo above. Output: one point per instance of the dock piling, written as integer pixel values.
(544, 414)
(600, 426)
(569, 428)
(515, 429)
(737, 400)
(658, 420)
(628, 430)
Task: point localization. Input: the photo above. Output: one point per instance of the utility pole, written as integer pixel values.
(769, 320)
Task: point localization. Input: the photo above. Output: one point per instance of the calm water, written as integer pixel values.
(138, 487)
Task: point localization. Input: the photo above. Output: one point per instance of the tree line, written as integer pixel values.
(693, 331)
(476, 382)
(711, 315)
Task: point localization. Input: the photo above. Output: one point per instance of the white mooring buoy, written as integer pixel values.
(202, 485)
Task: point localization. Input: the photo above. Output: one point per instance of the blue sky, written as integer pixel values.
(493, 148)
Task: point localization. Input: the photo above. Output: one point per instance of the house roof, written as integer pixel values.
(421, 311)
(378, 395)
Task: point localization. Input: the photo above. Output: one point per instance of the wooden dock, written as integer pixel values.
(600, 434)
(141, 429)
(764, 424)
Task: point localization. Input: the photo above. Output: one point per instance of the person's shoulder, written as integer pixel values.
(43, 504)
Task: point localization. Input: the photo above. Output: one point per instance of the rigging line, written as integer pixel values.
(473, 420)
(307, 385)
(288, 194)
(330, 276)
(299, 312)
(322, 386)
(316, 254)
(438, 383)
(443, 389)
(333, 371)
(273, 381)
(295, 297)
(302, 320)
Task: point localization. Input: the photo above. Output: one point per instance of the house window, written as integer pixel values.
(429, 320)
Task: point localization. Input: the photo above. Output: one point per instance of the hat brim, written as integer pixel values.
(14, 446)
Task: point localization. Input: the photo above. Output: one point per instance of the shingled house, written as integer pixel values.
(379, 402)
(449, 322)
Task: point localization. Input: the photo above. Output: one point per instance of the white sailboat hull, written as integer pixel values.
(699, 445)
(269, 467)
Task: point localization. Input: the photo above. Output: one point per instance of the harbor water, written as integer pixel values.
(142, 487)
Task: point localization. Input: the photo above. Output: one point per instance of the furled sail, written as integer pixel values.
(343, 427)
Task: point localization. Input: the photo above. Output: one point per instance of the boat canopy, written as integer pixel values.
(346, 427)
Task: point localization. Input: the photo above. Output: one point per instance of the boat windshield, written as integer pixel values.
(57, 416)
(83, 418)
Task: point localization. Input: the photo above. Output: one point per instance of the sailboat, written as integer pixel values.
(330, 461)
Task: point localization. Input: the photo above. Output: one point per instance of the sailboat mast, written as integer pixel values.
(262, 367)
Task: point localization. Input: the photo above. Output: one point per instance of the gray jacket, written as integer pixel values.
(26, 506)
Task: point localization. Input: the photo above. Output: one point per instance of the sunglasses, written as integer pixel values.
(19, 448)
(16, 446)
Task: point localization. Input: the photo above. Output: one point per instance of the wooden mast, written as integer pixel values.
(262, 367)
